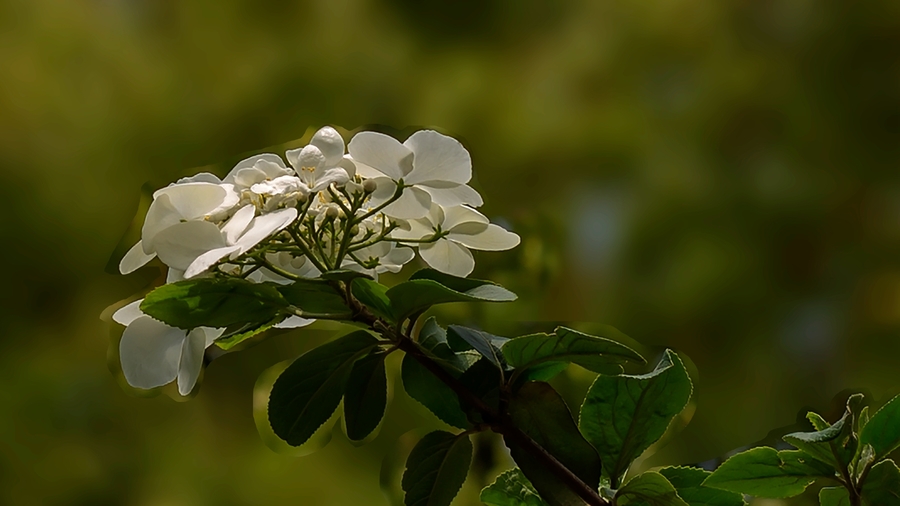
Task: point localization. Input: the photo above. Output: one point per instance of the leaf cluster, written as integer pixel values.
(475, 381)
(850, 456)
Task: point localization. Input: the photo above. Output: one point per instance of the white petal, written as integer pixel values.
(202, 177)
(174, 275)
(491, 238)
(414, 203)
(207, 260)
(191, 361)
(134, 259)
(178, 245)
(398, 257)
(336, 175)
(272, 169)
(349, 167)
(454, 195)
(160, 216)
(238, 223)
(330, 143)
(251, 161)
(212, 334)
(366, 171)
(293, 322)
(308, 157)
(194, 200)
(150, 352)
(128, 313)
(416, 229)
(383, 153)
(264, 226)
(438, 158)
(448, 257)
(247, 177)
(455, 216)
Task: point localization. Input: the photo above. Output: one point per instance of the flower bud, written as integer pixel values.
(369, 185)
(331, 213)
(354, 230)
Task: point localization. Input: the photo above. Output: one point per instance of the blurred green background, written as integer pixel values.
(717, 177)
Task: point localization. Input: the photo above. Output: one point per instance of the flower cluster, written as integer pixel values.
(366, 206)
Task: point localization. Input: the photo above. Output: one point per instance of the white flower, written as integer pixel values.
(460, 228)
(196, 246)
(379, 258)
(256, 169)
(322, 161)
(175, 204)
(154, 354)
(435, 168)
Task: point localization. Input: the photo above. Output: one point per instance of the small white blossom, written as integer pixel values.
(435, 168)
(459, 229)
(154, 354)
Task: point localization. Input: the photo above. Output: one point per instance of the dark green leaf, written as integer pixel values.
(883, 429)
(433, 339)
(623, 415)
(428, 287)
(824, 444)
(432, 393)
(213, 302)
(241, 333)
(483, 380)
(365, 397)
(343, 275)
(567, 345)
(834, 496)
(882, 485)
(464, 285)
(480, 341)
(542, 414)
(310, 389)
(648, 489)
(766, 472)
(688, 481)
(374, 295)
(315, 297)
(436, 469)
(511, 488)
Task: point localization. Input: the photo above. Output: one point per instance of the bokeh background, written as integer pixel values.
(717, 177)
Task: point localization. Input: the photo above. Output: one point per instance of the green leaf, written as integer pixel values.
(648, 489)
(882, 485)
(834, 496)
(374, 295)
(436, 469)
(623, 415)
(483, 380)
(511, 488)
(365, 397)
(310, 389)
(480, 341)
(315, 297)
(567, 345)
(688, 481)
(429, 287)
(883, 429)
(432, 393)
(213, 302)
(766, 472)
(243, 332)
(433, 339)
(824, 444)
(343, 275)
(539, 411)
